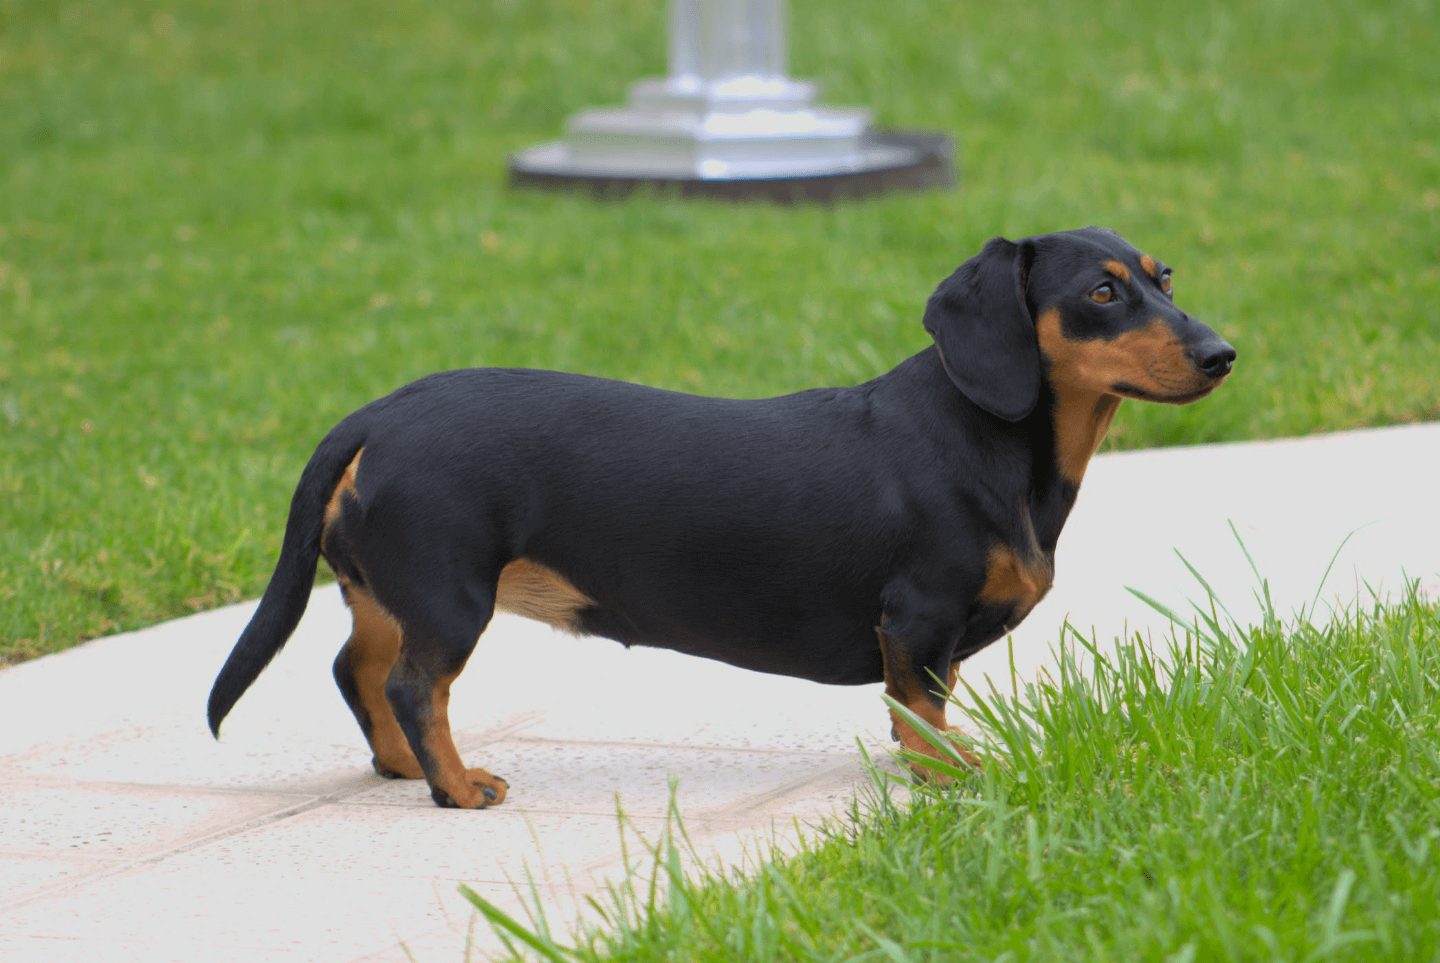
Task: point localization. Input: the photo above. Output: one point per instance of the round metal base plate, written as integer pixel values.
(904, 160)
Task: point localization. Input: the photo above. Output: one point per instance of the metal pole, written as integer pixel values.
(726, 38)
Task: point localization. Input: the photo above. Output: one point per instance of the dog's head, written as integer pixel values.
(1081, 308)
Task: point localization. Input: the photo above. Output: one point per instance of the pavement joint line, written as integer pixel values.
(10, 780)
(110, 737)
(701, 827)
(719, 819)
(684, 747)
(159, 856)
(362, 783)
(499, 731)
(741, 813)
(618, 870)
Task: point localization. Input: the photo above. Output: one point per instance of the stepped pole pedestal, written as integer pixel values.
(728, 121)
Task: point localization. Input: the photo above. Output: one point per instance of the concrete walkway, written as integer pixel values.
(126, 833)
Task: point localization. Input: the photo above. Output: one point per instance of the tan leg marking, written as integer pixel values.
(345, 488)
(905, 686)
(372, 650)
(465, 786)
(530, 589)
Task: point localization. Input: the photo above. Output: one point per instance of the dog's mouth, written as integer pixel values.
(1176, 378)
(1126, 390)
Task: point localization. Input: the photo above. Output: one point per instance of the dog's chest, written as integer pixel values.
(1016, 580)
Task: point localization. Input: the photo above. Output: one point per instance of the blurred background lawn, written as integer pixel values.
(226, 223)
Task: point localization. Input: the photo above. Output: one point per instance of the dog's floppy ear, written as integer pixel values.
(983, 328)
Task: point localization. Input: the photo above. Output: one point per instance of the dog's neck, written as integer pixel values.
(1065, 430)
(1055, 441)
(1080, 419)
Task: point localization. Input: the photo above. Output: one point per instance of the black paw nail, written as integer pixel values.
(489, 793)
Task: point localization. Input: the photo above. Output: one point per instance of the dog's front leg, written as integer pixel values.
(909, 681)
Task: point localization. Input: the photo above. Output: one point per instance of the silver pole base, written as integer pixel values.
(898, 161)
(741, 128)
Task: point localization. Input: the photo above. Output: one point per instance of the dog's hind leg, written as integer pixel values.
(418, 611)
(361, 669)
(436, 644)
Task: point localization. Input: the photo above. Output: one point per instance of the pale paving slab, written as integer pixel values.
(117, 821)
(181, 911)
(140, 735)
(126, 833)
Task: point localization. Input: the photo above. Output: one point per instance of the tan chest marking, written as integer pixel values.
(530, 589)
(1081, 421)
(1018, 577)
(1013, 579)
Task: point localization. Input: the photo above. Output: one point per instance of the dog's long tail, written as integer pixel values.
(288, 593)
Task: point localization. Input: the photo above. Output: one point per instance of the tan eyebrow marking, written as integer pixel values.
(1117, 269)
(1148, 263)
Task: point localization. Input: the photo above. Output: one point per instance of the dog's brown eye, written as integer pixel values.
(1165, 282)
(1104, 294)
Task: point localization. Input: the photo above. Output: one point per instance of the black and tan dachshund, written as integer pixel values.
(885, 531)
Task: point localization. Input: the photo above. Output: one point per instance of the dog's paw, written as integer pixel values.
(481, 791)
(493, 788)
(921, 774)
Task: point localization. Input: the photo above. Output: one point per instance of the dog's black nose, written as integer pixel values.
(1213, 358)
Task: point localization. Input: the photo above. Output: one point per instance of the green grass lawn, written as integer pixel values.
(223, 225)
(1265, 795)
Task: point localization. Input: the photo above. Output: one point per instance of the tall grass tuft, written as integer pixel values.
(1266, 793)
